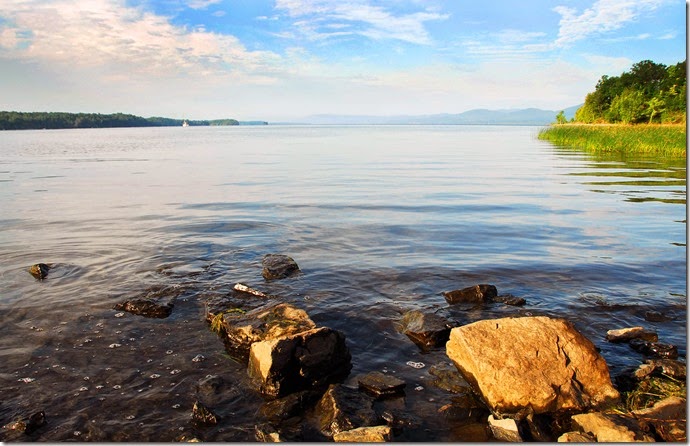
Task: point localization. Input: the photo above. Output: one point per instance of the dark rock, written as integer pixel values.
(669, 367)
(36, 421)
(266, 433)
(474, 294)
(299, 361)
(628, 334)
(448, 378)
(278, 266)
(464, 408)
(39, 270)
(145, 307)
(289, 406)
(509, 299)
(655, 349)
(381, 385)
(210, 385)
(203, 415)
(342, 409)
(400, 420)
(655, 316)
(425, 330)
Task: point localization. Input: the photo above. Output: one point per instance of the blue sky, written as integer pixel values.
(285, 59)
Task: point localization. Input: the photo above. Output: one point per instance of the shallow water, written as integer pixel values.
(381, 220)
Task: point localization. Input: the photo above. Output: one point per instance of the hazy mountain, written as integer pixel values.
(526, 116)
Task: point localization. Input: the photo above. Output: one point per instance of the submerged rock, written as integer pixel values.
(425, 330)
(373, 434)
(39, 270)
(289, 406)
(474, 294)
(145, 307)
(447, 377)
(509, 299)
(203, 415)
(381, 385)
(342, 409)
(655, 349)
(278, 266)
(628, 334)
(299, 361)
(531, 362)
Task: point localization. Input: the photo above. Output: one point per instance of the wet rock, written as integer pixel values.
(474, 294)
(655, 316)
(576, 437)
(505, 429)
(342, 409)
(210, 385)
(288, 406)
(610, 428)
(667, 418)
(381, 385)
(669, 367)
(655, 349)
(299, 361)
(509, 299)
(203, 415)
(628, 334)
(399, 420)
(643, 371)
(145, 307)
(425, 330)
(242, 329)
(248, 290)
(36, 420)
(373, 434)
(278, 266)
(531, 362)
(266, 433)
(464, 408)
(447, 377)
(39, 270)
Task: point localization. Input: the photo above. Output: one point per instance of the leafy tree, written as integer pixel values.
(560, 117)
(628, 107)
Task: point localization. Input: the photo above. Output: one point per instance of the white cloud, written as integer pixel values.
(202, 4)
(604, 16)
(374, 22)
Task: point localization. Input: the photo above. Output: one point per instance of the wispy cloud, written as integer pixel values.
(318, 17)
(201, 4)
(604, 16)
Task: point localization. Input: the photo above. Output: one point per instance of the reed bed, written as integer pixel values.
(662, 139)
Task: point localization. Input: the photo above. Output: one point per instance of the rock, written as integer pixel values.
(266, 433)
(655, 316)
(203, 415)
(610, 428)
(374, 434)
(509, 299)
(531, 362)
(288, 406)
(669, 367)
(39, 270)
(210, 385)
(575, 437)
(245, 289)
(667, 417)
(299, 361)
(655, 349)
(381, 385)
(505, 429)
(464, 408)
(265, 323)
(278, 266)
(643, 371)
(447, 377)
(425, 330)
(474, 294)
(342, 409)
(36, 420)
(628, 334)
(145, 307)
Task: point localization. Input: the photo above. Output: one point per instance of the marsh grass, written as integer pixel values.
(651, 391)
(666, 140)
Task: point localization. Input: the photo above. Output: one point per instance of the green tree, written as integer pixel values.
(560, 117)
(628, 107)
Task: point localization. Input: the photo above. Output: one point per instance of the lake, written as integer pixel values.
(380, 219)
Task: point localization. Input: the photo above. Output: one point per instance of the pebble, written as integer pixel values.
(416, 365)
(115, 345)
(119, 314)
(198, 358)
(26, 380)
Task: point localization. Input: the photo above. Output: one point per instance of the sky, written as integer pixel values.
(286, 59)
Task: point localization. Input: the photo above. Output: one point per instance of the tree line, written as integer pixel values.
(12, 120)
(650, 92)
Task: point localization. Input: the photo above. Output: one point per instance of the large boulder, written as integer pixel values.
(474, 294)
(268, 322)
(531, 362)
(299, 361)
(278, 266)
(427, 330)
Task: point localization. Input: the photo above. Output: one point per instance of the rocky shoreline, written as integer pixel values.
(531, 378)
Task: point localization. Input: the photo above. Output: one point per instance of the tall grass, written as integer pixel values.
(667, 140)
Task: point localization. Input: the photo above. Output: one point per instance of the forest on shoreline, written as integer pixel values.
(12, 120)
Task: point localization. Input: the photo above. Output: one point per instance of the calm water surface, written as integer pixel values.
(381, 220)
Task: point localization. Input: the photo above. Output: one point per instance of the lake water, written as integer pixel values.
(381, 220)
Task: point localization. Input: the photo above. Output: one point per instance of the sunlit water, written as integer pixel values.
(381, 220)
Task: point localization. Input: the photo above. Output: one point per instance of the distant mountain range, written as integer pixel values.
(526, 116)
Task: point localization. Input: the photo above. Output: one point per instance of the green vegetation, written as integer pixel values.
(649, 392)
(11, 120)
(217, 321)
(649, 92)
(668, 140)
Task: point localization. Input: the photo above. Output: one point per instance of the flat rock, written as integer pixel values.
(654, 349)
(474, 294)
(381, 385)
(342, 409)
(628, 334)
(610, 428)
(278, 266)
(299, 361)
(39, 270)
(146, 307)
(509, 299)
(427, 330)
(531, 362)
(505, 429)
(268, 322)
(373, 434)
